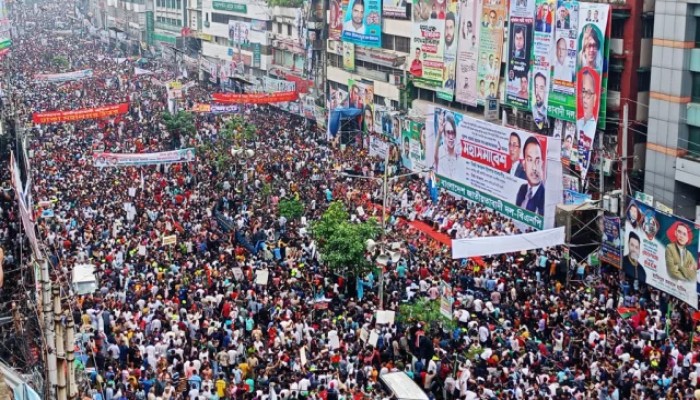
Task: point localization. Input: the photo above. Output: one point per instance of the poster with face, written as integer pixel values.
(562, 96)
(468, 51)
(519, 54)
(490, 49)
(542, 61)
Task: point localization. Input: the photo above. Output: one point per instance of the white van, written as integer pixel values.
(403, 387)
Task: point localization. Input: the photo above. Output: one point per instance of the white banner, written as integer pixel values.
(485, 246)
(64, 77)
(140, 71)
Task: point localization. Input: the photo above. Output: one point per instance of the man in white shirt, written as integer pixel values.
(354, 24)
(562, 70)
(586, 125)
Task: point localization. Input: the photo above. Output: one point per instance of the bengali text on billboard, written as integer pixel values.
(362, 23)
(428, 43)
(518, 65)
(611, 245)
(79, 115)
(545, 22)
(562, 96)
(468, 51)
(490, 49)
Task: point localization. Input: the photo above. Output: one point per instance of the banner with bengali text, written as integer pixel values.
(49, 117)
(255, 98)
(102, 159)
(562, 96)
(545, 17)
(518, 63)
(362, 23)
(490, 49)
(215, 108)
(428, 43)
(611, 245)
(64, 77)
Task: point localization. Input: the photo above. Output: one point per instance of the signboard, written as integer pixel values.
(545, 17)
(102, 159)
(428, 43)
(79, 115)
(64, 77)
(362, 97)
(362, 22)
(490, 49)
(413, 145)
(562, 96)
(514, 172)
(611, 245)
(447, 299)
(230, 7)
(468, 51)
(661, 250)
(169, 240)
(394, 9)
(518, 75)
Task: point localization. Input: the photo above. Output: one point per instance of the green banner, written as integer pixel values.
(149, 27)
(527, 217)
(232, 7)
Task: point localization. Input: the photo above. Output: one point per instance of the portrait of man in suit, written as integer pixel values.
(630, 262)
(531, 194)
(680, 262)
(516, 166)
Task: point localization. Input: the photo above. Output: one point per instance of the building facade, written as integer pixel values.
(673, 143)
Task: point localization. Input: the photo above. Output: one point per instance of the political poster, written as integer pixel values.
(378, 146)
(513, 172)
(571, 183)
(593, 20)
(238, 32)
(394, 9)
(447, 299)
(468, 51)
(611, 245)
(64, 77)
(255, 98)
(413, 146)
(572, 197)
(335, 21)
(542, 60)
(490, 49)
(349, 56)
(102, 159)
(215, 108)
(518, 65)
(338, 98)
(447, 90)
(362, 97)
(362, 23)
(562, 95)
(569, 142)
(428, 43)
(661, 250)
(603, 112)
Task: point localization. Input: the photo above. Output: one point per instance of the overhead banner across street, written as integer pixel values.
(65, 77)
(102, 160)
(255, 98)
(79, 115)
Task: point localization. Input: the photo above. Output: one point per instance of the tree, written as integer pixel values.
(425, 311)
(291, 208)
(285, 3)
(342, 242)
(61, 62)
(179, 124)
(238, 132)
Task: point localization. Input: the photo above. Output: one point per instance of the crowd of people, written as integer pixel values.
(191, 320)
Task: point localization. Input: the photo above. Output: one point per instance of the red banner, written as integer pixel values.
(79, 115)
(255, 98)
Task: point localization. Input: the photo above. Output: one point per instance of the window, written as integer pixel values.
(179, 4)
(220, 18)
(644, 80)
(695, 90)
(387, 41)
(279, 28)
(693, 141)
(614, 80)
(617, 30)
(647, 28)
(289, 30)
(402, 44)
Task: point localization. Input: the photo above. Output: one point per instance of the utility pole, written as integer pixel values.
(49, 334)
(623, 170)
(61, 393)
(385, 197)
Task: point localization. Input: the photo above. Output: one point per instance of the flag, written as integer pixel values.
(627, 312)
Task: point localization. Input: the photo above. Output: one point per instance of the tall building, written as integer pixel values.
(673, 140)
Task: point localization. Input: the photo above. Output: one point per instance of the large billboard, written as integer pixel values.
(468, 51)
(518, 65)
(542, 60)
(362, 22)
(661, 250)
(362, 96)
(593, 21)
(335, 20)
(394, 8)
(514, 172)
(602, 113)
(490, 49)
(428, 43)
(446, 90)
(562, 96)
(413, 145)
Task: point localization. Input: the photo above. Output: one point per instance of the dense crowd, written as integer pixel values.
(189, 321)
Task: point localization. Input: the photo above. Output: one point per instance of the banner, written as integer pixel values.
(593, 20)
(611, 245)
(335, 21)
(541, 60)
(362, 97)
(518, 65)
(571, 183)
(514, 172)
(428, 43)
(490, 49)
(446, 90)
(572, 197)
(378, 146)
(271, 85)
(64, 77)
(661, 250)
(569, 142)
(362, 22)
(25, 211)
(494, 245)
(603, 112)
(349, 56)
(215, 108)
(238, 32)
(140, 71)
(468, 51)
(413, 146)
(102, 160)
(394, 9)
(562, 96)
(447, 299)
(255, 98)
(79, 115)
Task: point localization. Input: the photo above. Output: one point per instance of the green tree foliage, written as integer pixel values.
(61, 62)
(342, 242)
(291, 208)
(238, 132)
(179, 124)
(425, 311)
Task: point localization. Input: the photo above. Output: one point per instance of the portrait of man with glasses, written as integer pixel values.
(588, 106)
